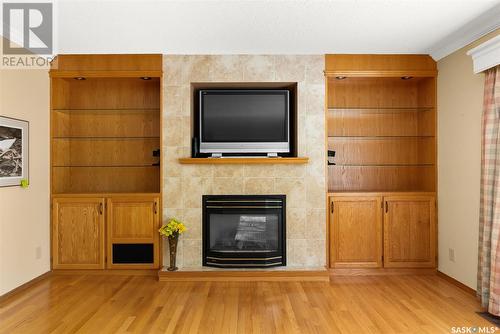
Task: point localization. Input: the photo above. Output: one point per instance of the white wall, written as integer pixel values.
(259, 26)
(24, 213)
(460, 101)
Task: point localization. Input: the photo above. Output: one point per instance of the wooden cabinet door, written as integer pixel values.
(409, 231)
(355, 232)
(78, 233)
(133, 220)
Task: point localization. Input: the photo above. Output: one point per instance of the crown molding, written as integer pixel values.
(470, 32)
(486, 55)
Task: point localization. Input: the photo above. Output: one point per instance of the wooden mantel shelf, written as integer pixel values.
(245, 161)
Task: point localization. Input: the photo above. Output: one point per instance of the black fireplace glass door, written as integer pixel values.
(234, 230)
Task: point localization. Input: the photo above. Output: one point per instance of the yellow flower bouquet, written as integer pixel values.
(172, 229)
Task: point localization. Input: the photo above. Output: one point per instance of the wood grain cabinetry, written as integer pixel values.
(356, 232)
(381, 137)
(409, 231)
(381, 122)
(78, 233)
(106, 132)
(133, 221)
(87, 230)
(106, 123)
(382, 230)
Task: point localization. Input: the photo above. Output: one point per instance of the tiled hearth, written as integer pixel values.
(304, 185)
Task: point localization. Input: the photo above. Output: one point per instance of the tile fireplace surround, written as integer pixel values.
(303, 185)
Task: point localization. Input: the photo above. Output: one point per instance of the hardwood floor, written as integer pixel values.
(141, 304)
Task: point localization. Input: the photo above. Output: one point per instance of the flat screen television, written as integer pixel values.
(233, 121)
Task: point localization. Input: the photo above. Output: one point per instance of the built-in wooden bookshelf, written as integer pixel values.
(381, 137)
(383, 133)
(104, 132)
(106, 161)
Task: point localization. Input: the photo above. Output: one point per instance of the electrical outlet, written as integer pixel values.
(451, 254)
(38, 252)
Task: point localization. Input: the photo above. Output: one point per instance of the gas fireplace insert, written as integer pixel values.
(242, 231)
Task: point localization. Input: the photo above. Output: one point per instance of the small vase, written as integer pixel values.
(172, 244)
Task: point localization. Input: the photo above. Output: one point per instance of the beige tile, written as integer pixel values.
(315, 100)
(169, 213)
(296, 252)
(186, 152)
(302, 136)
(314, 254)
(172, 131)
(295, 223)
(191, 253)
(317, 163)
(193, 188)
(289, 170)
(174, 69)
(315, 225)
(171, 165)
(197, 170)
(304, 185)
(175, 101)
(186, 131)
(294, 189)
(228, 186)
(192, 220)
(258, 170)
(317, 169)
(226, 68)
(315, 65)
(301, 99)
(228, 171)
(258, 67)
(315, 190)
(289, 254)
(198, 68)
(258, 186)
(172, 193)
(315, 131)
(291, 68)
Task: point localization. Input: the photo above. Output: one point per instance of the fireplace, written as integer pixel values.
(242, 231)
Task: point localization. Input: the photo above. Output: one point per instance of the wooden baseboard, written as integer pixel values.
(126, 272)
(381, 271)
(456, 283)
(242, 276)
(24, 286)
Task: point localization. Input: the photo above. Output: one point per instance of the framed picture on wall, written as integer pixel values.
(14, 142)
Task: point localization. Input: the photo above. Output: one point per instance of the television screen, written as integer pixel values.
(244, 116)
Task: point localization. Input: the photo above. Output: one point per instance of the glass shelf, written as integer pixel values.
(382, 109)
(106, 109)
(383, 137)
(104, 138)
(105, 166)
(383, 165)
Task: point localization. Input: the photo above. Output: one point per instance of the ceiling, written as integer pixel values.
(268, 27)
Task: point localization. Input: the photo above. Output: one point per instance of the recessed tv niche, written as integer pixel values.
(235, 122)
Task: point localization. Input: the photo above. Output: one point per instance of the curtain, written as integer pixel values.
(488, 287)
